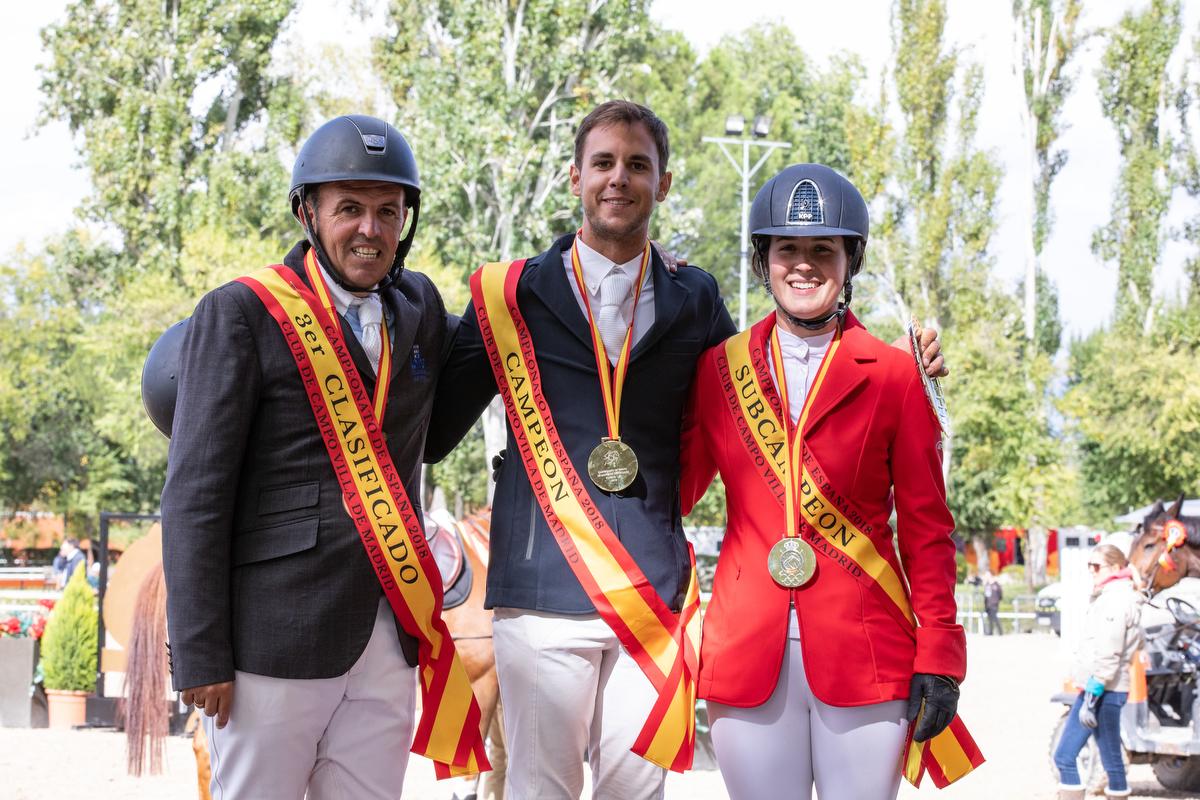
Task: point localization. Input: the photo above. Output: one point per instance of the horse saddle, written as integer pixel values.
(446, 544)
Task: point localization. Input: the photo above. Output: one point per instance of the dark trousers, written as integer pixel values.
(991, 623)
(1108, 739)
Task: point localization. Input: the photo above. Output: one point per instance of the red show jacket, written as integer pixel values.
(871, 429)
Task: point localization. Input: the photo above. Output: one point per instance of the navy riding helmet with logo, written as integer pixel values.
(356, 147)
(810, 200)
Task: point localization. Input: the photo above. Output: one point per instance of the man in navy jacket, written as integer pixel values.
(566, 683)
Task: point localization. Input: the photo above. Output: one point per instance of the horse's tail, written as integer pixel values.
(145, 710)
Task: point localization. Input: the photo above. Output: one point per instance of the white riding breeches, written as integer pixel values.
(782, 747)
(568, 688)
(343, 738)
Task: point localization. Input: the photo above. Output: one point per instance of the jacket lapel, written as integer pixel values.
(548, 281)
(850, 368)
(669, 297)
(406, 318)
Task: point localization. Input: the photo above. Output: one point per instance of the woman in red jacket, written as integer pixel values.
(821, 642)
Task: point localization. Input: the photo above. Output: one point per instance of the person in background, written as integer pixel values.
(992, 593)
(67, 561)
(1112, 633)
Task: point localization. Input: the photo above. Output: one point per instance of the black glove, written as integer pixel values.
(1087, 711)
(497, 463)
(932, 703)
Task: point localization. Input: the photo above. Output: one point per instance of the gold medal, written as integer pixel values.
(612, 466)
(791, 562)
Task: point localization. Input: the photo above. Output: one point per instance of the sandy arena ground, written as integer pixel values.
(1005, 703)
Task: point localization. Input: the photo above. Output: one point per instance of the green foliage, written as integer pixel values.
(73, 435)
(1133, 89)
(759, 71)
(1047, 329)
(1008, 469)
(709, 512)
(159, 93)
(491, 94)
(463, 474)
(1187, 167)
(932, 226)
(961, 568)
(1016, 572)
(69, 643)
(1047, 41)
(1135, 406)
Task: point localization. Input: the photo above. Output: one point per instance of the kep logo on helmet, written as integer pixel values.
(807, 206)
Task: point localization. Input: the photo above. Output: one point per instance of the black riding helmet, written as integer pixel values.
(356, 148)
(809, 200)
(160, 377)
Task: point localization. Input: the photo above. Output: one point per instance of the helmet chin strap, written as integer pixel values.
(816, 323)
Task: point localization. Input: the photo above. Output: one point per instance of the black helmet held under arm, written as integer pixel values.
(356, 147)
(160, 377)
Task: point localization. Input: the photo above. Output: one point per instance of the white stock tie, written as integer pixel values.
(370, 317)
(613, 326)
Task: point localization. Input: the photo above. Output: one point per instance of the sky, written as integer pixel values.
(43, 182)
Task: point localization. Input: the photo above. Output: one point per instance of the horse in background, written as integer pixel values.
(461, 550)
(1167, 549)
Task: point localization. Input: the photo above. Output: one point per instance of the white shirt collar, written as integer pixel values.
(803, 347)
(342, 299)
(596, 266)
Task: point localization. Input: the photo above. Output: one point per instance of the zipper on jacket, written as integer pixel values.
(532, 522)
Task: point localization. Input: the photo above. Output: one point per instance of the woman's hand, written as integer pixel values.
(932, 704)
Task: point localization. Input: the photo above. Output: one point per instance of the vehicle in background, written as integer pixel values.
(1047, 610)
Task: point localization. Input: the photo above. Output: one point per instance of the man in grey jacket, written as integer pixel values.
(279, 629)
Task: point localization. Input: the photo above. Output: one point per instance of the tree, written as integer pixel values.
(1187, 170)
(131, 79)
(1133, 90)
(492, 93)
(179, 122)
(1135, 406)
(761, 71)
(1044, 41)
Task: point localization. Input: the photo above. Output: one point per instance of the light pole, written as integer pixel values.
(735, 125)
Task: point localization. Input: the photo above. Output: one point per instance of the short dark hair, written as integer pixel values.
(71, 540)
(624, 112)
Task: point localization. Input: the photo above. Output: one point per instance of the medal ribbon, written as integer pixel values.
(834, 526)
(383, 377)
(612, 378)
(665, 645)
(389, 526)
(794, 441)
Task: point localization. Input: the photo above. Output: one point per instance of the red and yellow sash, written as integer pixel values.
(833, 526)
(391, 532)
(665, 645)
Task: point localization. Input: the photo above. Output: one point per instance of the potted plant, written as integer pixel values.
(20, 633)
(69, 653)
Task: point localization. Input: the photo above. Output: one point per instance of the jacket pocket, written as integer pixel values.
(274, 541)
(275, 499)
(533, 511)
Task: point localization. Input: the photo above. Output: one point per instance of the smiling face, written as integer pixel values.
(618, 180)
(359, 224)
(807, 275)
